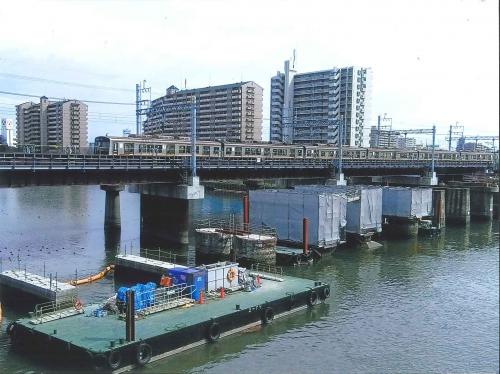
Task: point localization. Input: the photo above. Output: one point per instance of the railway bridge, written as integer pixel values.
(24, 169)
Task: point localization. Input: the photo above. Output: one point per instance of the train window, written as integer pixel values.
(299, 152)
(142, 148)
(216, 151)
(115, 148)
(259, 151)
(330, 153)
(229, 150)
(170, 149)
(188, 149)
(267, 151)
(237, 151)
(128, 148)
(292, 152)
(182, 149)
(309, 152)
(158, 148)
(322, 153)
(206, 150)
(248, 151)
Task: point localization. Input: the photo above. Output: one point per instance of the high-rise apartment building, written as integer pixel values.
(228, 112)
(386, 138)
(7, 132)
(52, 123)
(309, 107)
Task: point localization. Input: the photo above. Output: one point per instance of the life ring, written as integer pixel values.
(143, 354)
(213, 332)
(78, 304)
(325, 293)
(267, 315)
(312, 298)
(114, 359)
(231, 274)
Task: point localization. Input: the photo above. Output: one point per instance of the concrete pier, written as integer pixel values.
(457, 205)
(438, 208)
(164, 219)
(112, 217)
(496, 205)
(481, 206)
(46, 289)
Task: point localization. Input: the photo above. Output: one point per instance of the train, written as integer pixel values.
(181, 146)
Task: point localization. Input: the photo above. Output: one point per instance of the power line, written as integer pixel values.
(62, 99)
(53, 81)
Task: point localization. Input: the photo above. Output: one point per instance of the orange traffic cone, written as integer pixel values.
(201, 300)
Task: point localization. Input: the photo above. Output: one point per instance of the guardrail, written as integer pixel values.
(107, 162)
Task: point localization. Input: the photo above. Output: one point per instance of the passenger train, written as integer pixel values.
(170, 146)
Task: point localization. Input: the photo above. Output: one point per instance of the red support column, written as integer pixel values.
(245, 212)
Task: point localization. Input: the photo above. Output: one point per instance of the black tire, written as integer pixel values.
(11, 330)
(325, 293)
(114, 359)
(143, 354)
(267, 316)
(97, 361)
(312, 298)
(213, 332)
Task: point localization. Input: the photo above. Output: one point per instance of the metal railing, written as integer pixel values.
(268, 269)
(53, 307)
(164, 298)
(26, 161)
(233, 226)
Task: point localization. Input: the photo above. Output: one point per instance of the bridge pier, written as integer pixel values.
(482, 206)
(457, 205)
(112, 219)
(496, 205)
(164, 219)
(439, 208)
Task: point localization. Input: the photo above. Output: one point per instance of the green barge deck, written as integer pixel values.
(100, 342)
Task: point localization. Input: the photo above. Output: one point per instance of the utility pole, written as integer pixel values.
(340, 179)
(193, 136)
(142, 104)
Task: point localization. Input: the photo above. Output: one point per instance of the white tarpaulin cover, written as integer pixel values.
(406, 202)
(364, 206)
(284, 210)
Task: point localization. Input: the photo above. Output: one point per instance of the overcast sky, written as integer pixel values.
(433, 62)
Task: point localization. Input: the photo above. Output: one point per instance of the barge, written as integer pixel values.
(172, 321)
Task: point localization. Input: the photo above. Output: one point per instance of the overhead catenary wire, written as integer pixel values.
(63, 99)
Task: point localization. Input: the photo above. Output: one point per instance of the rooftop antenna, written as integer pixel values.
(185, 83)
(293, 59)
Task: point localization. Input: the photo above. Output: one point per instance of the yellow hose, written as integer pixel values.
(92, 278)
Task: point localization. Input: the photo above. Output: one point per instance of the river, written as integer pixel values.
(412, 306)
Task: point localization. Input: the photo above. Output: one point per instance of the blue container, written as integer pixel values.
(192, 277)
(121, 295)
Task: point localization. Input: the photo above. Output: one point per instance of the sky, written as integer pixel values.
(433, 62)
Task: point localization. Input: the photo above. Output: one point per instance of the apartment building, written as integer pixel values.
(7, 131)
(310, 107)
(385, 138)
(230, 112)
(52, 123)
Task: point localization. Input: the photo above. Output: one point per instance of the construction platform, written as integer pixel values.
(100, 342)
(129, 264)
(34, 285)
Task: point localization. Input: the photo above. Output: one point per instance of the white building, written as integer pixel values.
(308, 107)
(7, 130)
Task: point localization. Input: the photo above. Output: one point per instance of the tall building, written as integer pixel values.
(228, 112)
(8, 132)
(386, 138)
(308, 107)
(52, 123)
